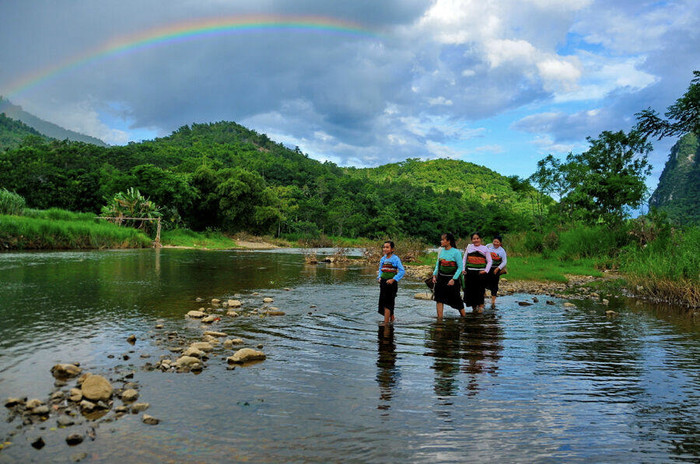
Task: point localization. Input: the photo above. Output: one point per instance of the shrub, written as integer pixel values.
(11, 203)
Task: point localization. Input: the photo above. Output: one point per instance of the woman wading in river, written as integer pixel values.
(477, 264)
(448, 269)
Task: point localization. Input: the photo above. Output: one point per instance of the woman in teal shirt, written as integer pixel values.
(448, 269)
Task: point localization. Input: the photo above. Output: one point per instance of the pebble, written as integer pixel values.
(74, 439)
(130, 395)
(139, 407)
(150, 420)
(65, 421)
(38, 443)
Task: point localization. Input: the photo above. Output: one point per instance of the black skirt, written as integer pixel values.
(474, 288)
(387, 295)
(448, 294)
(492, 281)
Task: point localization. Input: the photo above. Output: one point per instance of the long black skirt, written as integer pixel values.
(387, 295)
(474, 288)
(448, 294)
(492, 281)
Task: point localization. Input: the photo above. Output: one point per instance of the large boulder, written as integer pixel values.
(96, 388)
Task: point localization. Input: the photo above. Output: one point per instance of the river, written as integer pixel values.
(541, 383)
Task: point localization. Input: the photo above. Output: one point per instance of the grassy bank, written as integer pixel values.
(666, 269)
(43, 231)
(191, 239)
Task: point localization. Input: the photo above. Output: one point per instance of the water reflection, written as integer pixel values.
(538, 384)
(387, 372)
(470, 346)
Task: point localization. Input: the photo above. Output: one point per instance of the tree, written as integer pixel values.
(608, 179)
(682, 117)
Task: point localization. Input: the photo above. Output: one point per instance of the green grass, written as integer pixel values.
(537, 267)
(35, 233)
(667, 268)
(188, 238)
(10, 202)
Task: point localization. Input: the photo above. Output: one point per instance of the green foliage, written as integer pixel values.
(31, 233)
(667, 267)
(125, 207)
(11, 203)
(601, 184)
(58, 214)
(222, 176)
(682, 117)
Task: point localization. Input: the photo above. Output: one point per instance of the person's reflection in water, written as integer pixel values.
(387, 373)
(480, 348)
(442, 343)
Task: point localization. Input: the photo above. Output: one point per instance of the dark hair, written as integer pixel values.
(475, 233)
(498, 237)
(450, 238)
(391, 244)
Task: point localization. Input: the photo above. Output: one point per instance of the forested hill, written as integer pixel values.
(472, 180)
(678, 192)
(225, 176)
(13, 132)
(44, 127)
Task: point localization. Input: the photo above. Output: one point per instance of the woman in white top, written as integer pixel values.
(499, 258)
(477, 264)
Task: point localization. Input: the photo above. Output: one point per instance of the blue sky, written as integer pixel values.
(501, 83)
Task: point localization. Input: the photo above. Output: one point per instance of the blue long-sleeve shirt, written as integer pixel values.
(392, 264)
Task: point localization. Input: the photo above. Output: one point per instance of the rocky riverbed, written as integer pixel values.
(80, 401)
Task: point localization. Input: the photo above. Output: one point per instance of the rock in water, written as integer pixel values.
(130, 395)
(97, 388)
(74, 439)
(245, 355)
(64, 371)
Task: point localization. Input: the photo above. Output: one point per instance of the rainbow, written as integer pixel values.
(197, 29)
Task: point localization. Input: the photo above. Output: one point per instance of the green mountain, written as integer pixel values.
(13, 132)
(44, 127)
(678, 192)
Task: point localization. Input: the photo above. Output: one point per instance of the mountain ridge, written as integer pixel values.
(678, 191)
(46, 128)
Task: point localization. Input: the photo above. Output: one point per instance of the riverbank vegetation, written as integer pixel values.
(208, 182)
(42, 232)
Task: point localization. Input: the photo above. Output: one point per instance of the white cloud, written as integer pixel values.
(545, 145)
(440, 101)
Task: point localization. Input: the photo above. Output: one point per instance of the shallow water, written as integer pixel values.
(540, 383)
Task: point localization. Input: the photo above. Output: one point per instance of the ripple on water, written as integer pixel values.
(539, 384)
